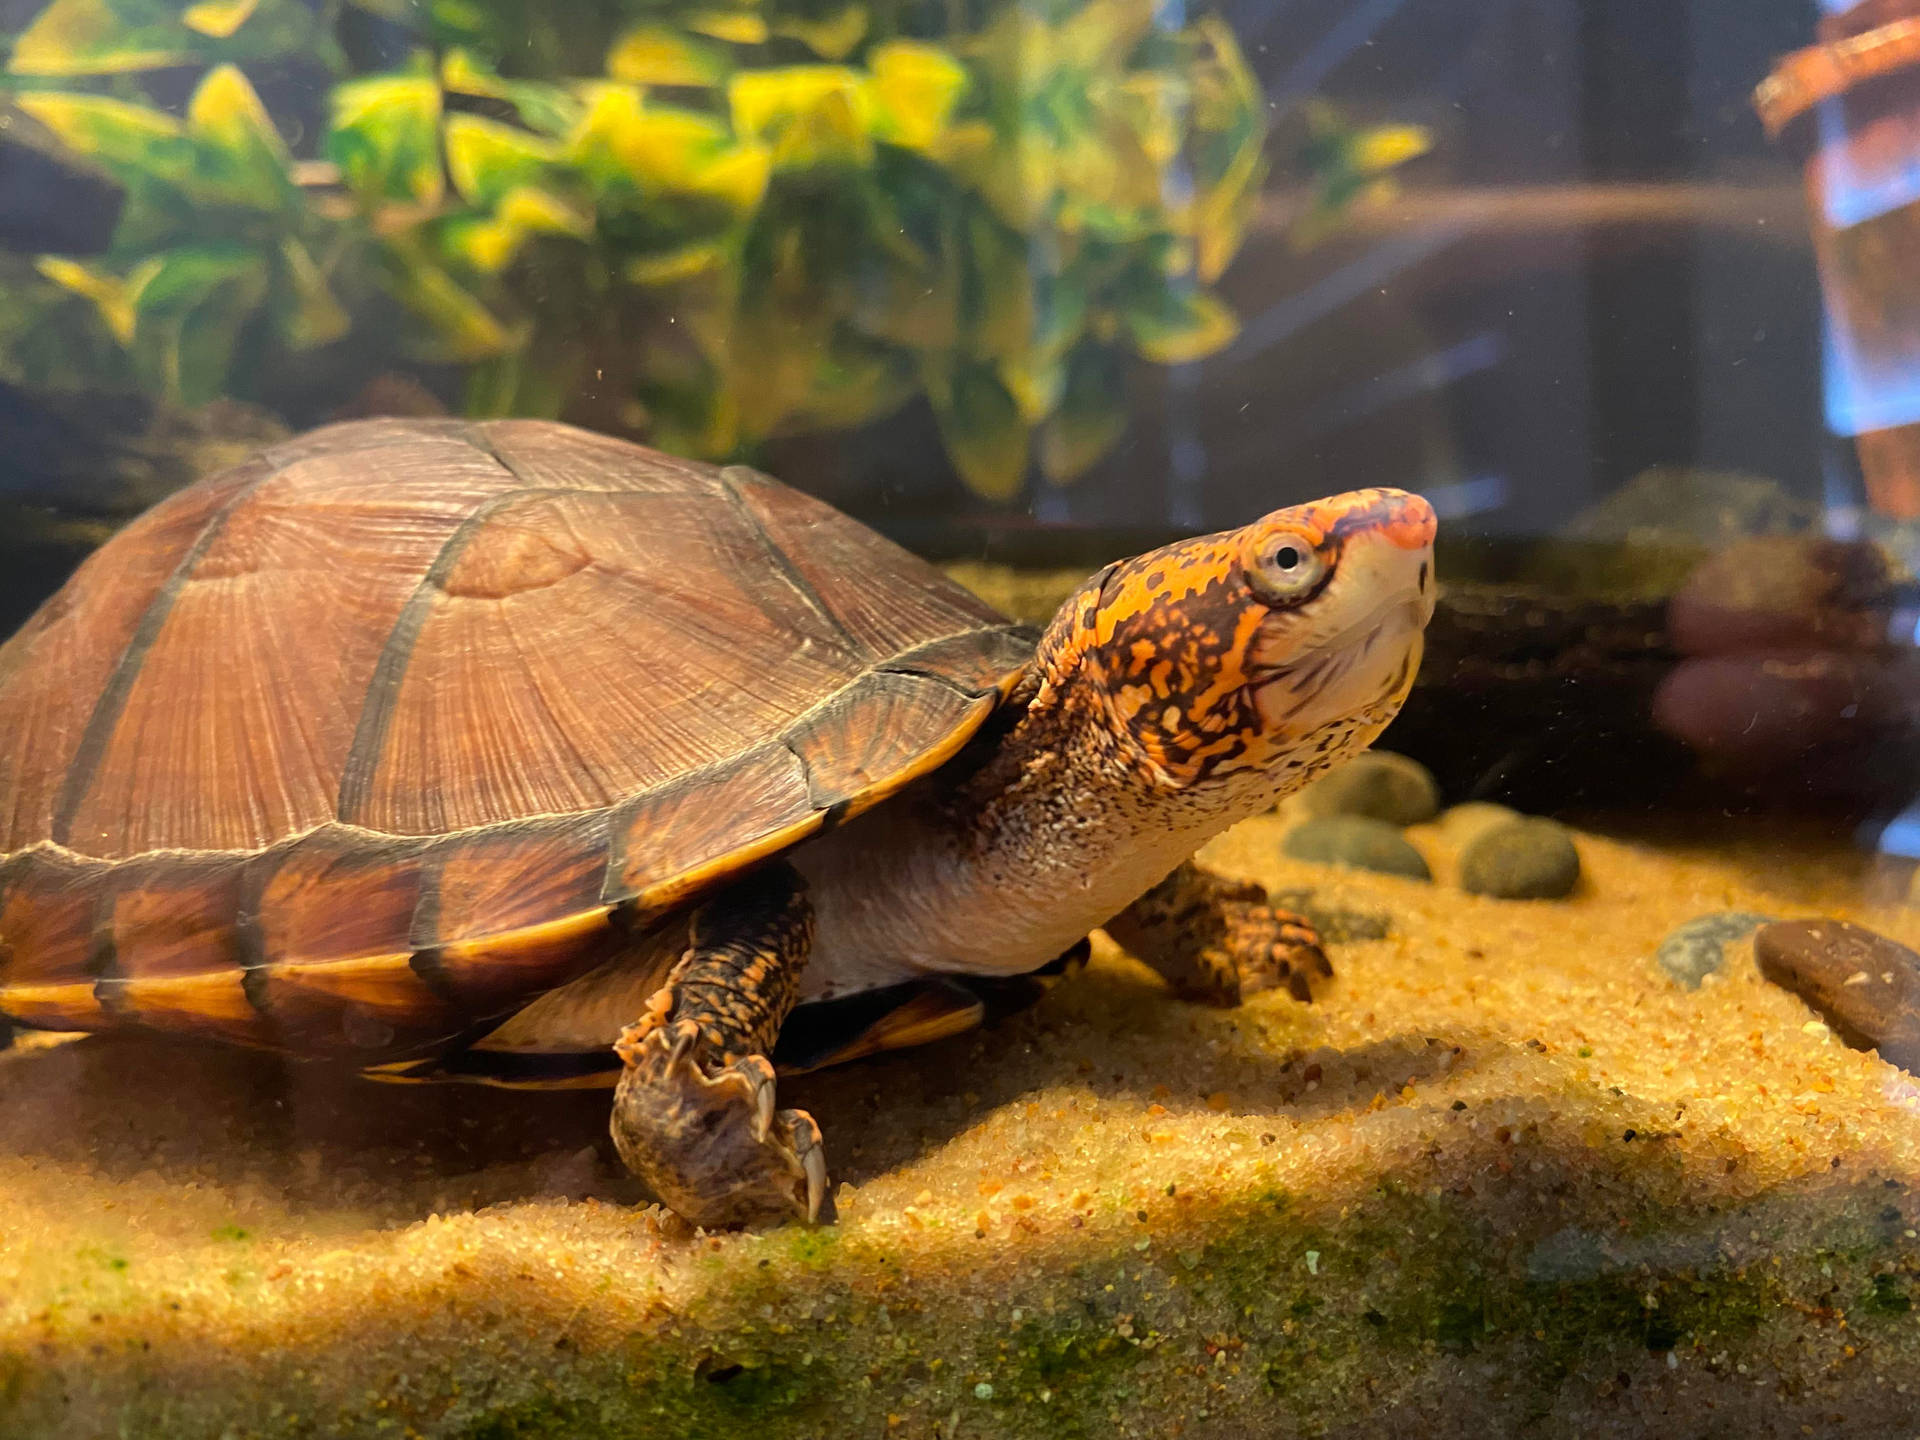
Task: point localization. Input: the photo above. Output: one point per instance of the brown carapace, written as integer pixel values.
(401, 723)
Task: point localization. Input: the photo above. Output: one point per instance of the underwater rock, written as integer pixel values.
(1525, 859)
(1335, 924)
(1695, 950)
(1645, 537)
(1356, 841)
(1463, 824)
(1784, 591)
(1378, 784)
(1865, 986)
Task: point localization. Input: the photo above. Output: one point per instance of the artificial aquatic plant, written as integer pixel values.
(716, 222)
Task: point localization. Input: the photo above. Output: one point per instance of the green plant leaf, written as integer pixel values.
(118, 37)
(809, 114)
(112, 295)
(240, 151)
(94, 37)
(736, 27)
(489, 243)
(1091, 416)
(985, 437)
(459, 325)
(915, 88)
(307, 315)
(1176, 324)
(833, 38)
(655, 55)
(548, 109)
(131, 140)
(386, 138)
(623, 143)
(486, 159)
(189, 314)
(218, 18)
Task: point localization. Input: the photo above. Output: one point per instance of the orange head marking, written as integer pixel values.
(1294, 638)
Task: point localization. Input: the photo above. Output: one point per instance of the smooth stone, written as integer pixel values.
(1356, 841)
(1377, 784)
(1463, 824)
(1525, 859)
(1865, 986)
(1695, 950)
(1335, 924)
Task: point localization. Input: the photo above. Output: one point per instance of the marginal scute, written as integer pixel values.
(337, 896)
(675, 841)
(859, 747)
(402, 723)
(50, 914)
(171, 918)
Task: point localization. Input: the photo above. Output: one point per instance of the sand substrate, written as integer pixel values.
(1504, 1176)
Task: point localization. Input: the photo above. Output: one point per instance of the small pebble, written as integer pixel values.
(1337, 924)
(1377, 784)
(1821, 962)
(1695, 950)
(1463, 824)
(1526, 859)
(1356, 841)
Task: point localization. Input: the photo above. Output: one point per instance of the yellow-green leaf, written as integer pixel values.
(1090, 419)
(386, 137)
(765, 102)
(1102, 33)
(915, 88)
(137, 144)
(111, 295)
(674, 265)
(1386, 146)
(218, 18)
(985, 437)
(832, 38)
(486, 159)
(462, 327)
(189, 313)
(226, 110)
(1179, 325)
(654, 55)
(735, 27)
(316, 317)
(88, 37)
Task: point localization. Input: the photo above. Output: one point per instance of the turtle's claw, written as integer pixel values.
(1274, 949)
(813, 1159)
(708, 1140)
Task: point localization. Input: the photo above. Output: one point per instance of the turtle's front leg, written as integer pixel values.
(1216, 940)
(693, 1114)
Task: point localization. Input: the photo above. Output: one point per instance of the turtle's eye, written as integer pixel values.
(1285, 569)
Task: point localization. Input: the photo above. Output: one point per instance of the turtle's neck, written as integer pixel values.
(998, 866)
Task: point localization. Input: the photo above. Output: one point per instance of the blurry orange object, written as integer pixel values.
(1851, 104)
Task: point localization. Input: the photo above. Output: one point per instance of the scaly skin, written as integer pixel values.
(1172, 696)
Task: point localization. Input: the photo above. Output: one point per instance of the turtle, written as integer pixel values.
(508, 752)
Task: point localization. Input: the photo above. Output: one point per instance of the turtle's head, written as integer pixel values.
(1274, 648)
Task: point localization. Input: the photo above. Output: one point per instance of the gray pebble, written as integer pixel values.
(1463, 824)
(1356, 841)
(1527, 859)
(1693, 951)
(1379, 785)
(1336, 924)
